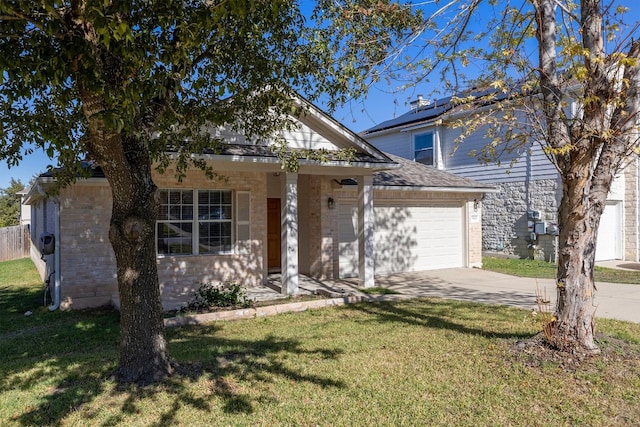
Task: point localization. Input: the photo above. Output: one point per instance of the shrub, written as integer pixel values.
(226, 294)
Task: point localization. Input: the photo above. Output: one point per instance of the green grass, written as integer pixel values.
(418, 362)
(378, 291)
(547, 270)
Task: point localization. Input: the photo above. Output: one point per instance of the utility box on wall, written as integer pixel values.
(47, 243)
(540, 228)
(533, 215)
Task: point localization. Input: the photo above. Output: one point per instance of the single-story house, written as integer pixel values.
(521, 217)
(374, 214)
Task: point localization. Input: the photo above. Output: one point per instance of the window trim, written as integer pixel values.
(195, 223)
(433, 148)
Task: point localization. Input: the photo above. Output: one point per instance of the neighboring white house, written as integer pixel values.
(25, 210)
(372, 215)
(520, 217)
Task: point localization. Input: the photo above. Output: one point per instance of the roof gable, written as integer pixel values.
(313, 130)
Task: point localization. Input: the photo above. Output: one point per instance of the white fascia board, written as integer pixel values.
(338, 128)
(430, 123)
(437, 189)
(36, 191)
(42, 184)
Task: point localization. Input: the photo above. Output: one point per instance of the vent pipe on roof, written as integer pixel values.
(420, 102)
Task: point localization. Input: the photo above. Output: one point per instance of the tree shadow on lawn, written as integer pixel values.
(225, 361)
(14, 303)
(82, 369)
(77, 352)
(440, 314)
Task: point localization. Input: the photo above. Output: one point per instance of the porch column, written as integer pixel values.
(366, 250)
(289, 236)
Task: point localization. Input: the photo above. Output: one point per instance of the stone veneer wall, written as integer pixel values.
(631, 212)
(504, 221)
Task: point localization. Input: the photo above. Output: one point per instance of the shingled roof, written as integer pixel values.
(432, 110)
(414, 174)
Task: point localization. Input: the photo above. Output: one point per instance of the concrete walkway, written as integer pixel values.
(613, 300)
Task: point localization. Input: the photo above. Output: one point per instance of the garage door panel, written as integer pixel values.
(407, 238)
(396, 237)
(609, 244)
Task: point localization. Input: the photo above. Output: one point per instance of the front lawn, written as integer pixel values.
(547, 270)
(418, 362)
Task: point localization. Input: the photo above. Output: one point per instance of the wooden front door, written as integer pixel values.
(273, 235)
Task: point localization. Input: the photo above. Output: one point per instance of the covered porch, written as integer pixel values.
(302, 222)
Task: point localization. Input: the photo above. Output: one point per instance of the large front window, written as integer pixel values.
(180, 232)
(423, 149)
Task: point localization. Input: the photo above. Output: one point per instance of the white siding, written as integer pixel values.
(301, 137)
(305, 137)
(530, 162)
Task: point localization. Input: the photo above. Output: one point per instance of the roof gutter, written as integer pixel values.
(439, 189)
(55, 303)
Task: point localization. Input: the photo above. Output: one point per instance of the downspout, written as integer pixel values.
(55, 303)
(55, 297)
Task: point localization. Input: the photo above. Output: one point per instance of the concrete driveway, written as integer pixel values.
(613, 300)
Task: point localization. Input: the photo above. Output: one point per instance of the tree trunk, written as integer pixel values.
(143, 349)
(126, 163)
(579, 216)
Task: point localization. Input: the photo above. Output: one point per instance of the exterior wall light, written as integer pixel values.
(331, 204)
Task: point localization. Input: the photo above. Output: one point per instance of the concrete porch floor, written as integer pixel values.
(306, 286)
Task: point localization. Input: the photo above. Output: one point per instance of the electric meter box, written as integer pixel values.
(540, 228)
(534, 215)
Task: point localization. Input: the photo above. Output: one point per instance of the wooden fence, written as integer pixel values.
(15, 242)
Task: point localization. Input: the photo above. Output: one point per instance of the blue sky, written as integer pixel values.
(383, 102)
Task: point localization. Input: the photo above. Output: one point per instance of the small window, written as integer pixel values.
(175, 222)
(423, 149)
(214, 221)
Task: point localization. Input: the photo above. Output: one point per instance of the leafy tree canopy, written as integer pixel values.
(161, 70)
(10, 203)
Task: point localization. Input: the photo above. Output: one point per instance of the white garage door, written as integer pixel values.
(610, 233)
(407, 238)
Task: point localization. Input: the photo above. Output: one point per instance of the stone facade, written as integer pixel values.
(505, 223)
(631, 212)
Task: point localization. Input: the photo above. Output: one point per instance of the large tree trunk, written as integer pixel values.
(579, 216)
(143, 349)
(584, 189)
(126, 164)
